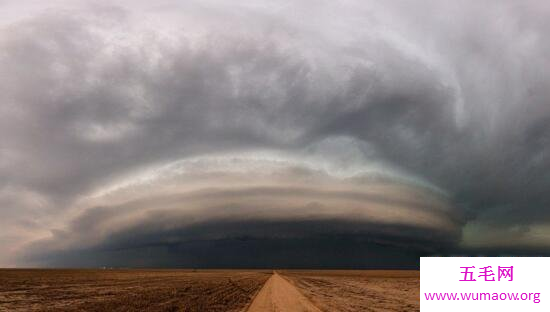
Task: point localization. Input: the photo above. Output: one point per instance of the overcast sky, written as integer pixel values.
(272, 133)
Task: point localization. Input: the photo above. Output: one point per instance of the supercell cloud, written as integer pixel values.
(272, 133)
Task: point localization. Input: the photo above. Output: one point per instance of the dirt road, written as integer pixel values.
(278, 295)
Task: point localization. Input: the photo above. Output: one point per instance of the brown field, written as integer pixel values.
(365, 290)
(128, 290)
(208, 290)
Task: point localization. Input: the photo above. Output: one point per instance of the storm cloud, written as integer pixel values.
(185, 129)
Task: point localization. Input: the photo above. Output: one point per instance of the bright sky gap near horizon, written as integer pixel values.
(272, 133)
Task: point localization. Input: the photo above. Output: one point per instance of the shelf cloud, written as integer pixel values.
(169, 134)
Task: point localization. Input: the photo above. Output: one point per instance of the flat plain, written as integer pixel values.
(208, 290)
(361, 290)
(128, 290)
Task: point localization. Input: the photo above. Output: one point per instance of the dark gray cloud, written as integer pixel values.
(441, 98)
(199, 203)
